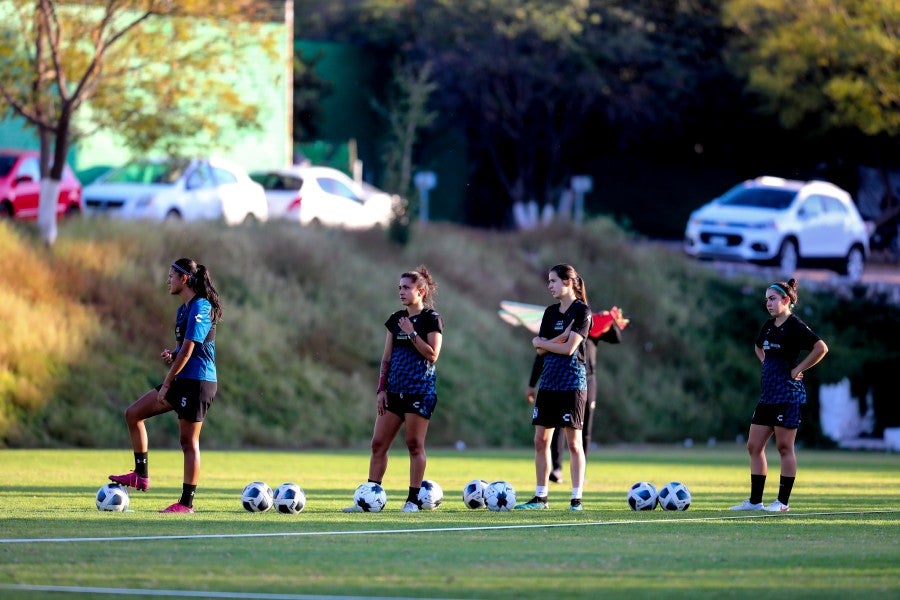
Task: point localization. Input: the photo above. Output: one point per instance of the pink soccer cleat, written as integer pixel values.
(141, 484)
(178, 507)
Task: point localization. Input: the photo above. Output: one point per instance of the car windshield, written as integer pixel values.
(148, 172)
(6, 165)
(759, 197)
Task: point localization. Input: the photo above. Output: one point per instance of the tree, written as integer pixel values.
(824, 65)
(154, 71)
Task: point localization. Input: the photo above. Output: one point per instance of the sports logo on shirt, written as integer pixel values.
(199, 318)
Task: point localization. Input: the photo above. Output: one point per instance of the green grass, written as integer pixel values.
(839, 540)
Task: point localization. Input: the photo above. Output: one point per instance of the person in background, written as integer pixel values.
(562, 390)
(406, 393)
(190, 385)
(778, 347)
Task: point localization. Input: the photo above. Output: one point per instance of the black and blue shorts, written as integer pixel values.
(191, 398)
(782, 414)
(559, 408)
(401, 403)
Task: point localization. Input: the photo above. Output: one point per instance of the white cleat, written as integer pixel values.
(747, 505)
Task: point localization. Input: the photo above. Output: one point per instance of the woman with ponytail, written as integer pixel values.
(779, 346)
(562, 387)
(190, 385)
(406, 395)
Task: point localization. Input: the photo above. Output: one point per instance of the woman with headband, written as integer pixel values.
(190, 385)
(778, 347)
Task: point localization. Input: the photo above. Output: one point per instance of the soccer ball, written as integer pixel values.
(675, 496)
(642, 496)
(289, 498)
(499, 496)
(257, 497)
(473, 493)
(430, 495)
(112, 497)
(370, 497)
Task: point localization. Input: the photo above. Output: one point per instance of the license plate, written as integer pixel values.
(718, 240)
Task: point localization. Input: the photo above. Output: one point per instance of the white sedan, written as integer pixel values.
(309, 194)
(189, 189)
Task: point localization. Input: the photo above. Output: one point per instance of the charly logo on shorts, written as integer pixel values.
(567, 418)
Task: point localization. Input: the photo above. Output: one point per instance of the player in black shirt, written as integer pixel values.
(778, 346)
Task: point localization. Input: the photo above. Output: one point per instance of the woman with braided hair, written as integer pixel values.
(190, 385)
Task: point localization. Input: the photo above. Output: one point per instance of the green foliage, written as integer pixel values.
(839, 540)
(831, 62)
(302, 336)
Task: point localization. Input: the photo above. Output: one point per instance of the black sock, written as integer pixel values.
(187, 494)
(757, 485)
(413, 495)
(784, 489)
(140, 464)
(373, 481)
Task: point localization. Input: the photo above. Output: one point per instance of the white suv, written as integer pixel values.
(787, 223)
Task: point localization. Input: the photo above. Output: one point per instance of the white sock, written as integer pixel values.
(540, 491)
(576, 493)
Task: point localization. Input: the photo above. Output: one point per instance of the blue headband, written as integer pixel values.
(180, 270)
(775, 286)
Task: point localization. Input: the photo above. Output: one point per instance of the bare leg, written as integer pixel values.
(756, 445)
(386, 427)
(416, 429)
(142, 409)
(577, 459)
(542, 437)
(189, 436)
(784, 441)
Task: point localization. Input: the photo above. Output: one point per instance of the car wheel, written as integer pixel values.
(173, 215)
(6, 211)
(854, 264)
(788, 257)
(72, 211)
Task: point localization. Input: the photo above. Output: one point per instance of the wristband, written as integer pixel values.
(412, 335)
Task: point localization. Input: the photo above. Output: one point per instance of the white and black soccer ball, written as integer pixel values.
(642, 496)
(430, 495)
(112, 497)
(370, 497)
(675, 496)
(499, 496)
(473, 493)
(257, 497)
(289, 498)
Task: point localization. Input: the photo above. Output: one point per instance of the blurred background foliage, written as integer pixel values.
(299, 348)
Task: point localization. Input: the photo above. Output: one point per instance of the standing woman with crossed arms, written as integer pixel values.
(190, 385)
(406, 393)
(562, 392)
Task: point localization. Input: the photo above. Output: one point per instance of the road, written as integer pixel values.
(880, 277)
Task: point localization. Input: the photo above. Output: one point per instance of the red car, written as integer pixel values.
(20, 186)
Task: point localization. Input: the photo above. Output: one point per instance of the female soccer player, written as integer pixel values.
(562, 391)
(778, 346)
(406, 392)
(190, 385)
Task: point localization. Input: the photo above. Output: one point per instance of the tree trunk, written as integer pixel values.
(47, 209)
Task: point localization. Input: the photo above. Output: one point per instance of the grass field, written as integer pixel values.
(841, 538)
